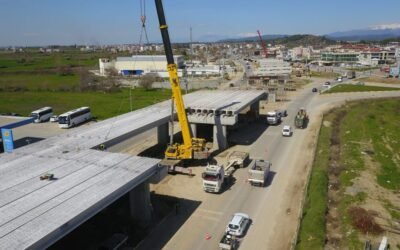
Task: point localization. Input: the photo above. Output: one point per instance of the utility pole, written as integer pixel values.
(191, 45)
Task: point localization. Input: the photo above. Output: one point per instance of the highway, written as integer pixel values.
(274, 209)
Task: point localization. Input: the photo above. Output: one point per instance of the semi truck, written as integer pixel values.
(301, 118)
(258, 172)
(273, 118)
(213, 178)
(216, 176)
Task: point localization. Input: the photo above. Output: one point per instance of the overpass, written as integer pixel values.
(36, 213)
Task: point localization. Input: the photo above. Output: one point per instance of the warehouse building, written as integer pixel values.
(137, 65)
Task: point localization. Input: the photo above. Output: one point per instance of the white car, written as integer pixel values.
(287, 130)
(238, 224)
(54, 118)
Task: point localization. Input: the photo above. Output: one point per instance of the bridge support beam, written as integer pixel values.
(140, 204)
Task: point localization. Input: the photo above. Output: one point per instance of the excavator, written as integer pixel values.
(192, 148)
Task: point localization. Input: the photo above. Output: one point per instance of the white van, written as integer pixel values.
(238, 224)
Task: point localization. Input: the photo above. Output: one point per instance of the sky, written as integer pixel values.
(101, 22)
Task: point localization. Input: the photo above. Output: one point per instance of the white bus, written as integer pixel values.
(42, 114)
(74, 117)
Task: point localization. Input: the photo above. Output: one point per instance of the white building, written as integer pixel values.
(138, 65)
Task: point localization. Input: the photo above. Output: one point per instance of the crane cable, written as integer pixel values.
(143, 30)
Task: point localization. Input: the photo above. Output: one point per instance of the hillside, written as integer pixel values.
(289, 41)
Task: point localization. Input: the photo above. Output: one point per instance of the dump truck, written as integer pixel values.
(228, 242)
(301, 118)
(258, 172)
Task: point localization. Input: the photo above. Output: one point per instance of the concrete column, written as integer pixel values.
(220, 137)
(255, 109)
(140, 205)
(163, 134)
(193, 128)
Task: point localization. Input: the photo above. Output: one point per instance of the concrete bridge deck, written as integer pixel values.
(36, 213)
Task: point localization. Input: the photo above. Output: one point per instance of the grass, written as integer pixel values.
(103, 105)
(366, 126)
(38, 82)
(341, 88)
(363, 69)
(312, 229)
(381, 80)
(324, 74)
(393, 210)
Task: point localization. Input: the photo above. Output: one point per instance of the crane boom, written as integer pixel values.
(190, 145)
(262, 43)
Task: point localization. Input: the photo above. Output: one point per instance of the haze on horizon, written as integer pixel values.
(99, 22)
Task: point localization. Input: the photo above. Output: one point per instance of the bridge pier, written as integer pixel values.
(163, 134)
(193, 128)
(220, 140)
(140, 204)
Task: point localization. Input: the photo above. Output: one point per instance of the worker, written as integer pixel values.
(102, 147)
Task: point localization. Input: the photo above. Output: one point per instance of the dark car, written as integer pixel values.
(314, 90)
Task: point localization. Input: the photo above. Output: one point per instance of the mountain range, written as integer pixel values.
(374, 33)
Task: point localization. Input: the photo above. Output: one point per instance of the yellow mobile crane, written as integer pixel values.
(192, 148)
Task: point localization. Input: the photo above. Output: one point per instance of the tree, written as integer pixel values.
(146, 81)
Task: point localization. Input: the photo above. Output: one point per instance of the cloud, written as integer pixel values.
(247, 34)
(390, 26)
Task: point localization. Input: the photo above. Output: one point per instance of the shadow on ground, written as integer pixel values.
(170, 213)
(168, 225)
(247, 133)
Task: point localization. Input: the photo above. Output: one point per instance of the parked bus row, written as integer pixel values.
(69, 119)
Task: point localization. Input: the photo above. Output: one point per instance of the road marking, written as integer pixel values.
(202, 210)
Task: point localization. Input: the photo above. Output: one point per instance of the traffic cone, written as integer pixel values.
(208, 237)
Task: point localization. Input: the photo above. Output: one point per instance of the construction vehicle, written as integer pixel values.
(192, 148)
(351, 74)
(238, 159)
(273, 118)
(213, 178)
(258, 172)
(262, 44)
(216, 176)
(301, 119)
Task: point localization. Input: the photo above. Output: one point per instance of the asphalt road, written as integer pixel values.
(274, 209)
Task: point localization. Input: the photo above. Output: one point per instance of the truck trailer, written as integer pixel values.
(258, 172)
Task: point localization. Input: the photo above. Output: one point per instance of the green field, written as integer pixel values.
(38, 82)
(312, 229)
(341, 88)
(56, 71)
(368, 126)
(103, 105)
